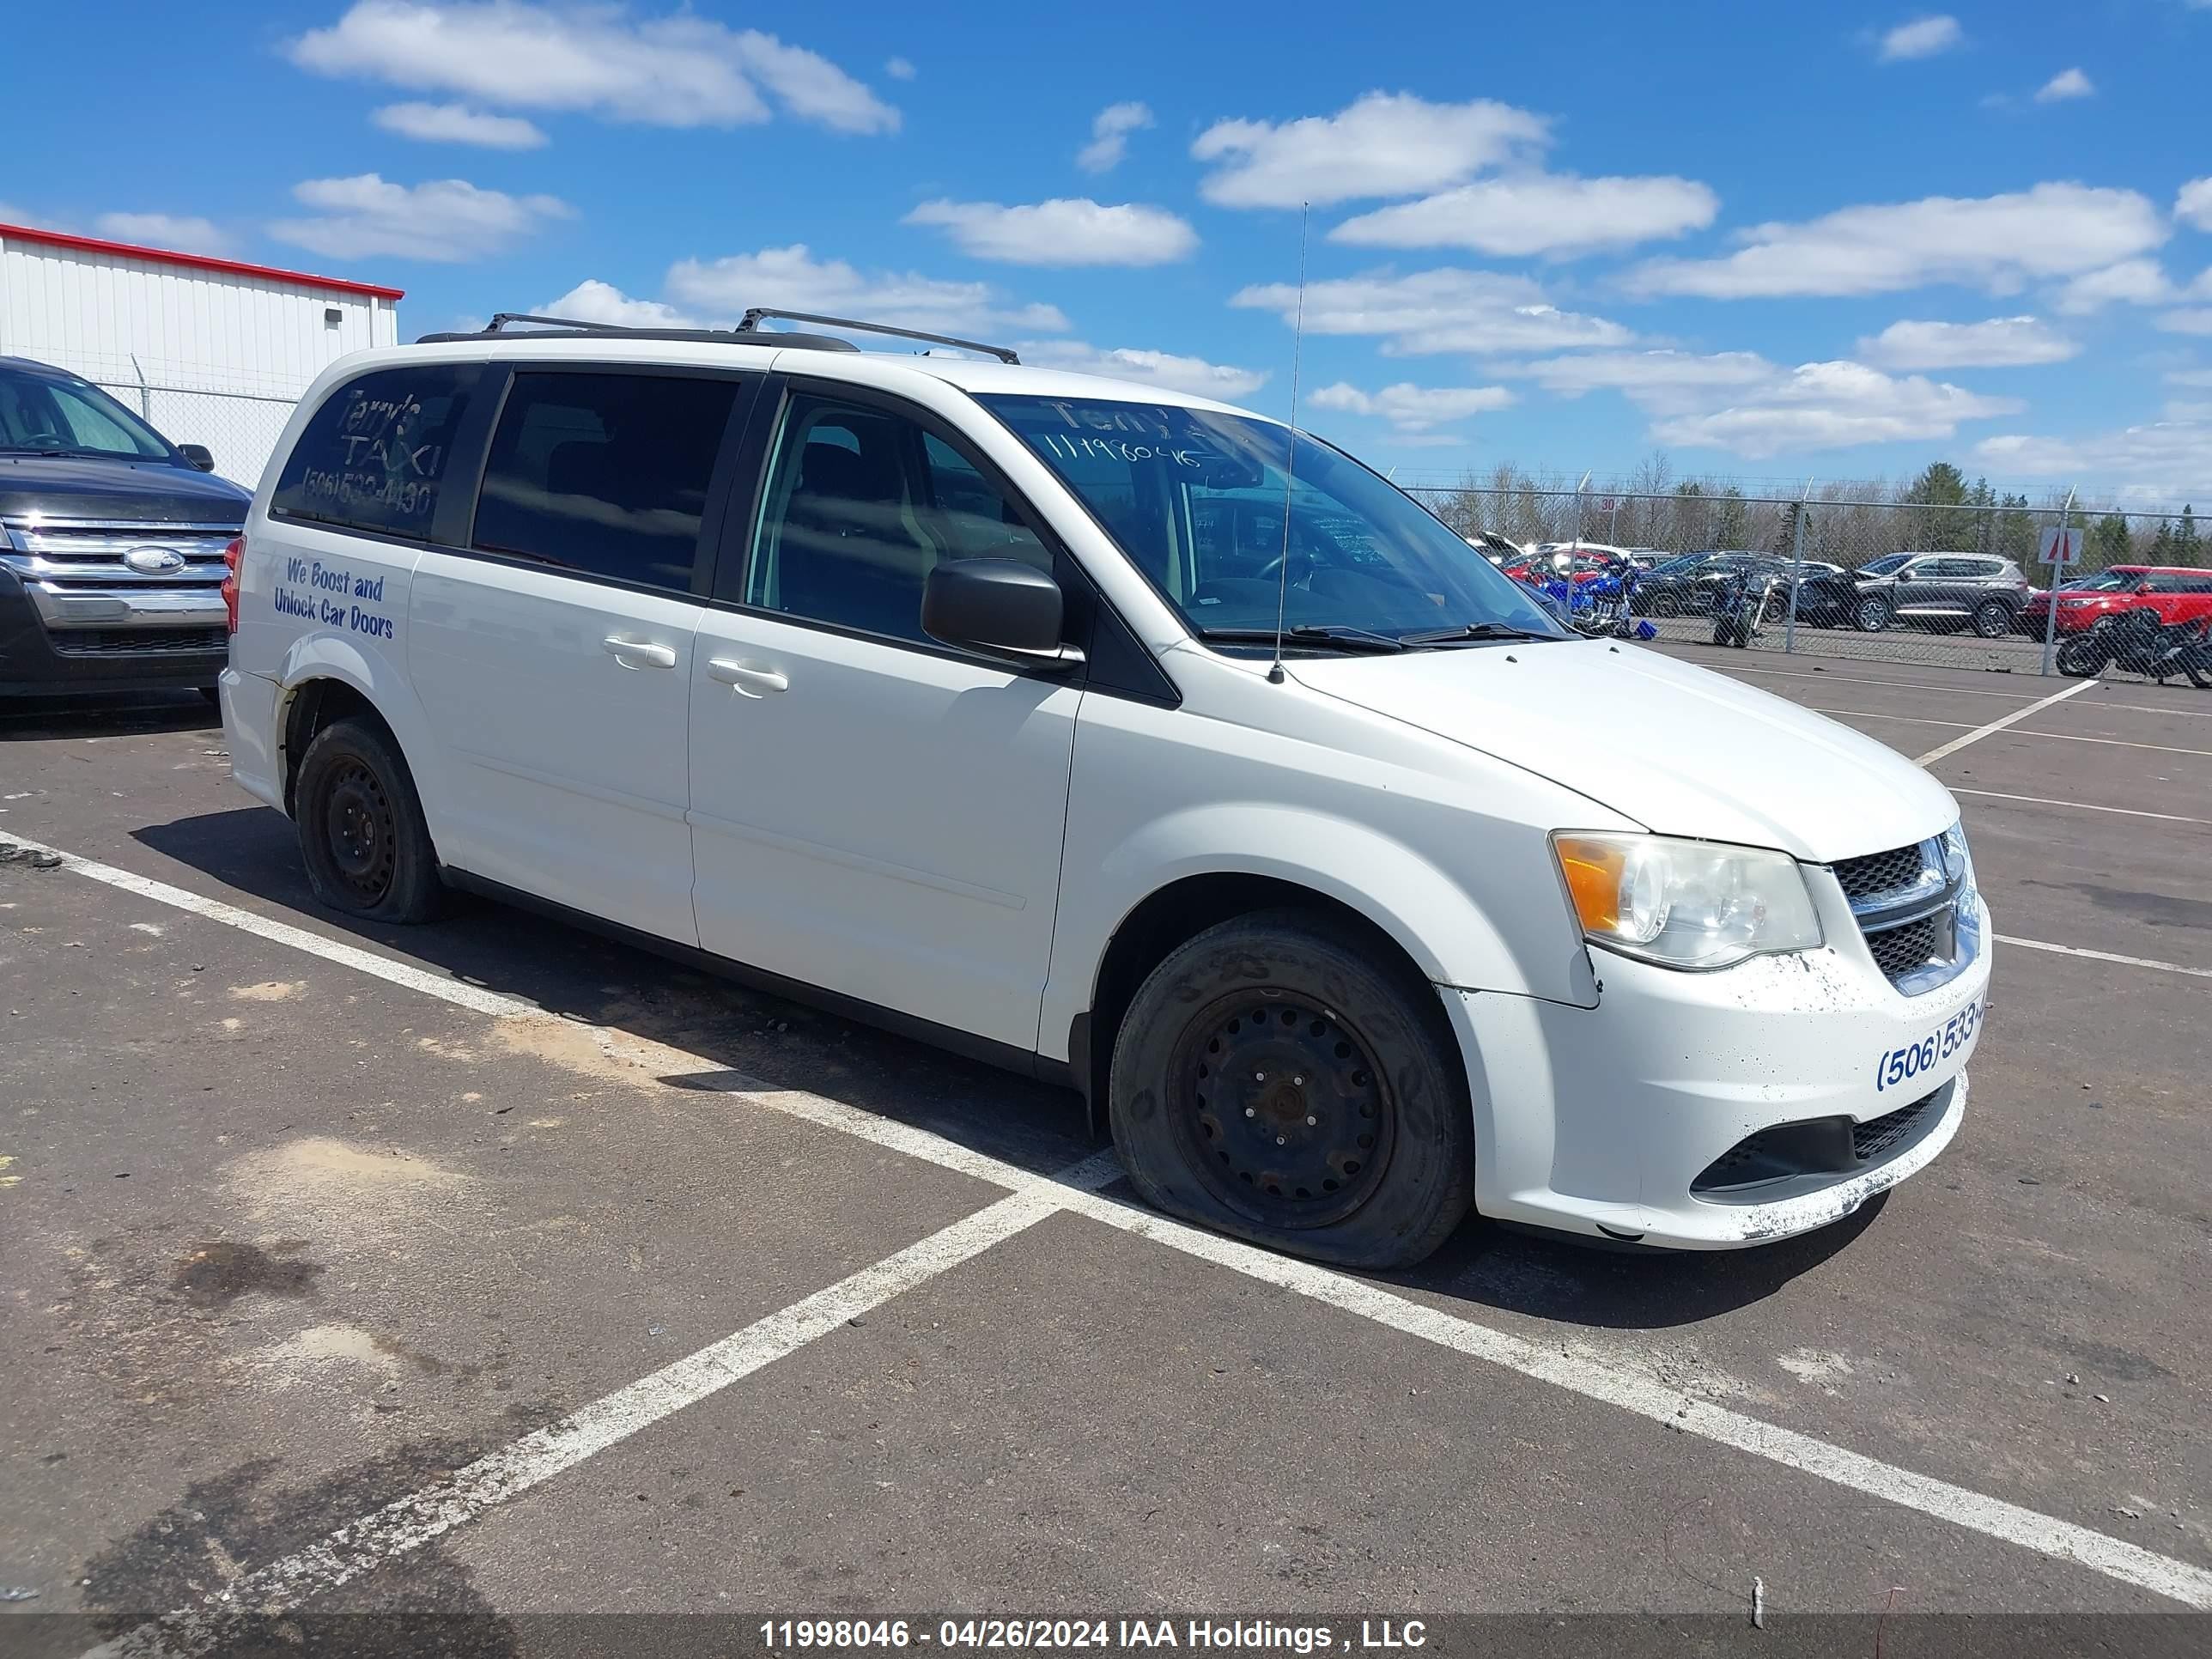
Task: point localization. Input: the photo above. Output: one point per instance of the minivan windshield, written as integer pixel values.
(43, 414)
(1197, 499)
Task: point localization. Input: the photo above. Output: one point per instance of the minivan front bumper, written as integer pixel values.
(1716, 1110)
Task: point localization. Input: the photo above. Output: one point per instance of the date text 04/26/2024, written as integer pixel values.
(1070, 1635)
(1916, 1059)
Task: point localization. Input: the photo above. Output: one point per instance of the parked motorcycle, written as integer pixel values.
(1745, 602)
(2137, 641)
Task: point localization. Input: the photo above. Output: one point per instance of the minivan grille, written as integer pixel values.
(1881, 872)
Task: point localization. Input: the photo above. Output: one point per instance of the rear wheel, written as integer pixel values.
(363, 834)
(1871, 615)
(1663, 606)
(1273, 1080)
(1993, 619)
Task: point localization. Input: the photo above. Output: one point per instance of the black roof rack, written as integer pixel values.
(747, 332)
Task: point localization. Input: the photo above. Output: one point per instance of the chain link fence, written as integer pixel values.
(1962, 585)
(239, 428)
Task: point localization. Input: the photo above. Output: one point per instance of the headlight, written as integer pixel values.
(1687, 903)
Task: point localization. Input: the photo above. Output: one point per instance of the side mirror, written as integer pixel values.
(1000, 607)
(197, 455)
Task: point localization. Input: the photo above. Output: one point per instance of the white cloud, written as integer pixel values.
(1999, 343)
(1832, 405)
(2190, 377)
(1654, 381)
(1062, 232)
(794, 278)
(898, 69)
(189, 233)
(447, 220)
(2193, 205)
(681, 70)
(593, 302)
(2160, 461)
(1923, 37)
(1993, 242)
(1554, 214)
(1109, 136)
(1383, 144)
(1482, 312)
(2067, 84)
(2198, 321)
(2131, 281)
(457, 124)
(1411, 408)
(1225, 381)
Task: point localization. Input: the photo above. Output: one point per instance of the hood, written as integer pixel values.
(1680, 751)
(83, 487)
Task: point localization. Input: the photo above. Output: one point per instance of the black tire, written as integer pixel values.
(1993, 619)
(361, 831)
(2081, 660)
(1368, 1098)
(2199, 666)
(213, 694)
(1871, 614)
(1664, 606)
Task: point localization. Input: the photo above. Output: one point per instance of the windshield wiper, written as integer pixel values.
(1478, 630)
(1306, 633)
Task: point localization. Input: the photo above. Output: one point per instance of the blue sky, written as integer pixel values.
(1771, 240)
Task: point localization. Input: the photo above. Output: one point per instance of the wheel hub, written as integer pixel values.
(361, 831)
(1289, 1113)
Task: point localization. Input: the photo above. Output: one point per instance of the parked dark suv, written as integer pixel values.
(1979, 591)
(111, 542)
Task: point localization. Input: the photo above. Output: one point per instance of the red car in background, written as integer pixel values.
(2177, 592)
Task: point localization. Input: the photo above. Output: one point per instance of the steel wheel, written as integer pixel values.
(363, 832)
(1286, 1117)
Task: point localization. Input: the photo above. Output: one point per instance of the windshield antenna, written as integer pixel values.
(1291, 454)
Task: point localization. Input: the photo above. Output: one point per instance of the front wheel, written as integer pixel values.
(1271, 1080)
(363, 834)
(1871, 616)
(2081, 660)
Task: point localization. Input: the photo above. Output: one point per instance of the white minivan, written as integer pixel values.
(1121, 736)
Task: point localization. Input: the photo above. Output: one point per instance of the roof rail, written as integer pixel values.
(571, 328)
(747, 332)
(753, 319)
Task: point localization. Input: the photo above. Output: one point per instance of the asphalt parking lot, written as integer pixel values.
(493, 1277)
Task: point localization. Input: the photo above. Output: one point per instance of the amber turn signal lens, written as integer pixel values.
(1592, 869)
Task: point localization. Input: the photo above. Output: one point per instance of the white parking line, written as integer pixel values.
(2079, 805)
(2104, 956)
(445, 1505)
(1650, 1398)
(1950, 690)
(2012, 719)
(408, 1523)
(1983, 731)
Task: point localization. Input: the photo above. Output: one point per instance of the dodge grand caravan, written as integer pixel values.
(966, 697)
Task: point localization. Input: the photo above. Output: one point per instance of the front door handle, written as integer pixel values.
(747, 680)
(639, 654)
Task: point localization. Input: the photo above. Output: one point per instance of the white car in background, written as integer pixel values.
(951, 693)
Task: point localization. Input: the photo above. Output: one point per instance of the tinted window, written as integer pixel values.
(605, 474)
(373, 457)
(861, 503)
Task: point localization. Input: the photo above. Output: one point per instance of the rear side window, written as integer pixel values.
(604, 475)
(373, 457)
